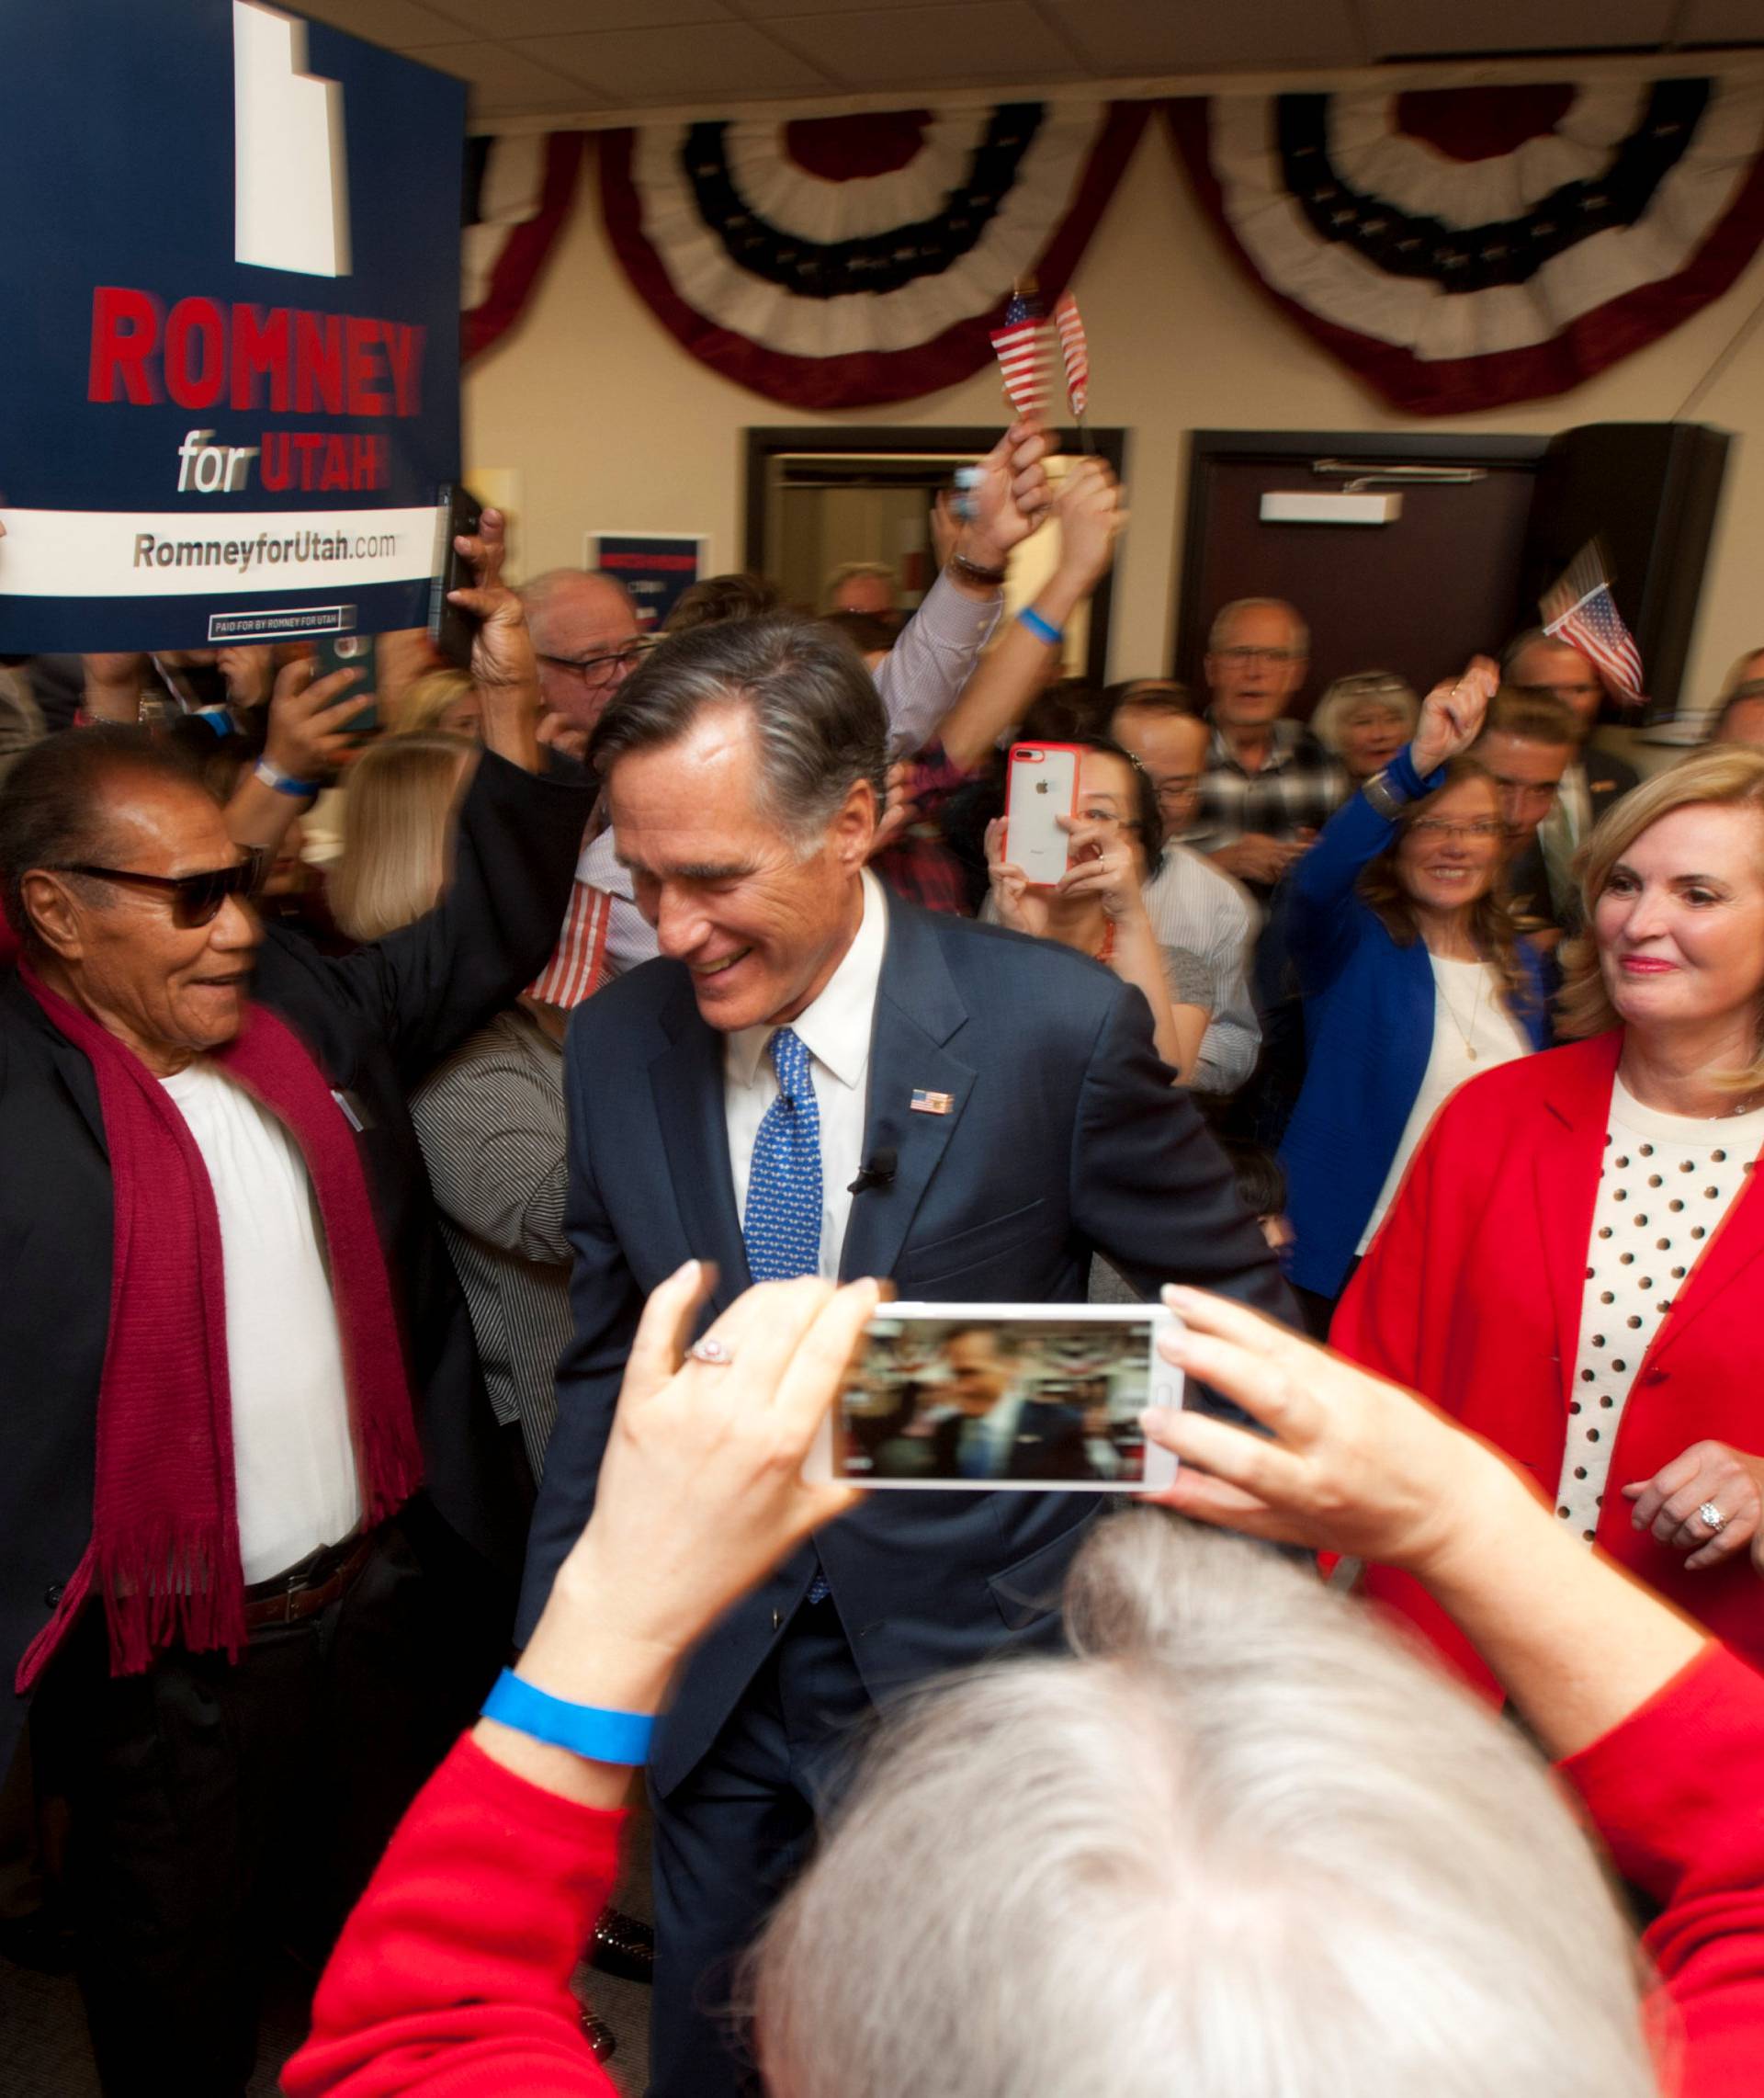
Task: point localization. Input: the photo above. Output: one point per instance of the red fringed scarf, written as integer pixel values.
(165, 1547)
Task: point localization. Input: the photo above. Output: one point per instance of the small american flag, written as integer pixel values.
(924, 1102)
(1075, 351)
(1580, 610)
(1021, 349)
(579, 960)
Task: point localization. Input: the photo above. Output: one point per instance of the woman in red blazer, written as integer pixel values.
(1572, 1267)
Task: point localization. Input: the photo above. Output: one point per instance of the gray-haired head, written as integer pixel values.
(1243, 1843)
(1219, 634)
(817, 716)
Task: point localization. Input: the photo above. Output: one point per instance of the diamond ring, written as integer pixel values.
(1713, 1517)
(711, 1349)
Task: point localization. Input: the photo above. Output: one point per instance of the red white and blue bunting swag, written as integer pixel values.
(843, 262)
(1466, 248)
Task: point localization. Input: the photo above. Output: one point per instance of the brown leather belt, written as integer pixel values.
(295, 1595)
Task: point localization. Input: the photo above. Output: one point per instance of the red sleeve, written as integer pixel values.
(453, 1974)
(1677, 1794)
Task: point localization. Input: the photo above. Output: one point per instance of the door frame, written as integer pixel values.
(765, 442)
(1245, 448)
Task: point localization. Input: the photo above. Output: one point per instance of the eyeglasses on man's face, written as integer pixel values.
(1566, 692)
(1436, 829)
(196, 898)
(609, 663)
(1246, 654)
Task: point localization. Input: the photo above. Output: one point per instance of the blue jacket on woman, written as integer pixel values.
(1369, 1026)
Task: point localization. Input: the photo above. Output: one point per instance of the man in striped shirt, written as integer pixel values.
(1192, 905)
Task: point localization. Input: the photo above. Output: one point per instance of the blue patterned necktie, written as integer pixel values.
(782, 1226)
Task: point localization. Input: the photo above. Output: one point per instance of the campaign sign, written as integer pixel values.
(656, 571)
(229, 363)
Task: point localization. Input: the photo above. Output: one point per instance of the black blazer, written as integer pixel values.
(1065, 1138)
(375, 1021)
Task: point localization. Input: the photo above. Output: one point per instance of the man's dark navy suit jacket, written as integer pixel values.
(1064, 1137)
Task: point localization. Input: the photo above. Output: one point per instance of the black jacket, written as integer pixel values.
(376, 1021)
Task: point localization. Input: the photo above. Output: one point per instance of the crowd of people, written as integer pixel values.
(447, 1172)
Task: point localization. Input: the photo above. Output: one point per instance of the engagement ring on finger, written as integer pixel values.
(710, 1349)
(1713, 1517)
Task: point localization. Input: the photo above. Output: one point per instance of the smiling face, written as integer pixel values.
(760, 925)
(1371, 734)
(171, 993)
(1529, 777)
(1681, 922)
(978, 1377)
(1448, 853)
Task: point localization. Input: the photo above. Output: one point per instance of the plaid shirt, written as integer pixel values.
(1299, 788)
(918, 865)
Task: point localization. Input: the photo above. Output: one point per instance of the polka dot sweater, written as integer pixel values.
(1667, 1183)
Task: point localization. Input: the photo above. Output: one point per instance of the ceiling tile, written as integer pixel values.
(926, 48)
(503, 83)
(389, 22)
(560, 18)
(1718, 22)
(1423, 28)
(1127, 35)
(721, 60)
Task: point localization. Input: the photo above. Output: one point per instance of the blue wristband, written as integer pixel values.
(585, 1729)
(281, 782)
(1042, 629)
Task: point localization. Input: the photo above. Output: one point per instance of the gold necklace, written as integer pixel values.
(1470, 1048)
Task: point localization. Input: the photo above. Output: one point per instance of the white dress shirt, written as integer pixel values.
(293, 1449)
(836, 1031)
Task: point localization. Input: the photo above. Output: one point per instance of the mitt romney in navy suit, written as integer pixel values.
(817, 1079)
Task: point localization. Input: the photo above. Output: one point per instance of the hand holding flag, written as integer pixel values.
(1021, 347)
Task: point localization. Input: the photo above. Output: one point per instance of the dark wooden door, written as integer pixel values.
(1418, 595)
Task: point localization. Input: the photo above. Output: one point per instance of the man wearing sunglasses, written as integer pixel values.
(251, 1494)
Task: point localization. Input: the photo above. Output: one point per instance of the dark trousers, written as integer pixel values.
(730, 1840)
(217, 1811)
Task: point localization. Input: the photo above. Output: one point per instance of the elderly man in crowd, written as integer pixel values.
(1529, 742)
(603, 933)
(1269, 786)
(218, 1572)
(1191, 905)
(1542, 667)
(818, 1079)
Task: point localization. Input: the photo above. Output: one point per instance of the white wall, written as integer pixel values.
(611, 425)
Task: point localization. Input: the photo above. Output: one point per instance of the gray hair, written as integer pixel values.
(540, 597)
(1363, 688)
(1222, 618)
(815, 710)
(1245, 1843)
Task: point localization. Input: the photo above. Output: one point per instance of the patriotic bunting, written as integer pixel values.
(1580, 610)
(847, 261)
(518, 192)
(1464, 248)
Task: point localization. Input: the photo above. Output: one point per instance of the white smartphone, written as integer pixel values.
(1041, 785)
(1014, 1398)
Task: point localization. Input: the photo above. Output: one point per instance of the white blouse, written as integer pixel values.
(1473, 1031)
(1667, 1183)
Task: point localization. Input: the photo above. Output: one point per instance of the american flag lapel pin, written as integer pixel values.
(925, 1103)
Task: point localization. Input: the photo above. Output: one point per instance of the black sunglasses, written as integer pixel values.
(196, 898)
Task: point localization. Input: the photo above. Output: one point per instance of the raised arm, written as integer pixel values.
(1088, 513)
(935, 652)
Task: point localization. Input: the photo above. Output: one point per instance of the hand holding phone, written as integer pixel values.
(452, 628)
(1041, 786)
(354, 653)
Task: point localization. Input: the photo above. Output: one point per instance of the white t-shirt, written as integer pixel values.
(1473, 1031)
(1666, 1184)
(294, 1459)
